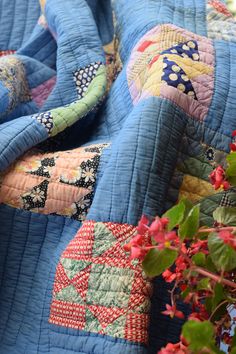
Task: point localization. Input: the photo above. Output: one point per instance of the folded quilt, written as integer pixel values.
(91, 138)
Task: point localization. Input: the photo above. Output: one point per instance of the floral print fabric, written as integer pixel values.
(53, 183)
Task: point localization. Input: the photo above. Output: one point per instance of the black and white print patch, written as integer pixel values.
(46, 120)
(84, 76)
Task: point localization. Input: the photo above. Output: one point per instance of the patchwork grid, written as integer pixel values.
(59, 183)
(97, 288)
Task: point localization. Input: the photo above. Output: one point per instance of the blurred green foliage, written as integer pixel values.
(232, 6)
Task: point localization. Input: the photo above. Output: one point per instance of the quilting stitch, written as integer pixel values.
(173, 63)
(54, 183)
(97, 288)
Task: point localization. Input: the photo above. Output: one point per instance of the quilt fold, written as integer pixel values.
(107, 112)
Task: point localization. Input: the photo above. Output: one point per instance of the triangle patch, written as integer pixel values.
(72, 267)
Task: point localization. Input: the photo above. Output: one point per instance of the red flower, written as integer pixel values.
(177, 348)
(143, 225)
(137, 252)
(228, 238)
(181, 264)
(217, 178)
(183, 287)
(199, 246)
(234, 134)
(232, 146)
(194, 317)
(169, 276)
(136, 247)
(158, 225)
(164, 239)
(172, 311)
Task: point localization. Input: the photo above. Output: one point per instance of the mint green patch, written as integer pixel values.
(209, 205)
(109, 286)
(92, 323)
(197, 167)
(73, 267)
(144, 307)
(117, 328)
(69, 294)
(103, 239)
(66, 116)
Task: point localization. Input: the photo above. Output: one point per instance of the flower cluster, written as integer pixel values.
(200, 262)
(156, 231)
(218, 178)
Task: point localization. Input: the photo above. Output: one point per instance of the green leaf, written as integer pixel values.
(156, 262)
(219, 295)
(185, 293)
(225, 215)
(210, 265)
(199, 335)
(232, 180)
(175, 215)
(190, 226)
(208, 304)
(204, 284)
(188, 206)
(231, 170)
(199, 259)
(222, 255)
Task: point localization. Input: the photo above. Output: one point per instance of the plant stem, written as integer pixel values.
(226, 228)
(217, 308)
(215, 277)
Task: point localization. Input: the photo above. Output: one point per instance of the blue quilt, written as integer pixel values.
(107, 112)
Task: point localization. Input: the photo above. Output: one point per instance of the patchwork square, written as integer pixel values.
(109, 293)
(84, 76)
(172, 63)
(13, 78)
(53, 183)
(220, 21)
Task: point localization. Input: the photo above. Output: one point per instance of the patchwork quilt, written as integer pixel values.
(107, 112)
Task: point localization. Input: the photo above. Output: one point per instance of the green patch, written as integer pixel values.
(92, 323)
(72, 267)
(117, 328)
(103, 239)
(69, 294)
(109, 286)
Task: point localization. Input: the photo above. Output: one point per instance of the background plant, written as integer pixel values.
(200, 261)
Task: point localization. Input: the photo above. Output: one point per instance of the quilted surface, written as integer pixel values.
(91, 138)
(17, 21)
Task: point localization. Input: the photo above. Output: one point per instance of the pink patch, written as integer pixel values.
(140, 74)
(144, 46)
(6, 52)
(41, 92)
(154, 60)
(222, 8)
